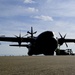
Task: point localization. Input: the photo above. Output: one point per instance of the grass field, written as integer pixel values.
(37, 65)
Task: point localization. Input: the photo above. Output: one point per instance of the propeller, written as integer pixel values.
(62, 39)
(31, 32)
(20, 38)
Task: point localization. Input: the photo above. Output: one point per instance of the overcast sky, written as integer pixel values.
(20, 15)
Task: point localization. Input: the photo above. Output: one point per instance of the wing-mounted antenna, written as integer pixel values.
(32, 32)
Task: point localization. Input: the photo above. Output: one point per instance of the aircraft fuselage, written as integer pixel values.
(45, 44)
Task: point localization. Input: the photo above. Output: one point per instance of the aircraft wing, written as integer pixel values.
(69, 40)
(63, 40)
(16, 39)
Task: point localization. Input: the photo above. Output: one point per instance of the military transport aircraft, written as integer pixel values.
(44, 43)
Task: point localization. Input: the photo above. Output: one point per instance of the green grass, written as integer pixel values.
(37, 65)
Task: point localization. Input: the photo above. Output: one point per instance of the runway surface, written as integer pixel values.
(37, 65)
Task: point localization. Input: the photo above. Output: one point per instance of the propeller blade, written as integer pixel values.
(35, 32)
(65, 36)
(20, 35)
(16, 36)
(66, 44)
(25, 35)
(28, 32)
(60, 35)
